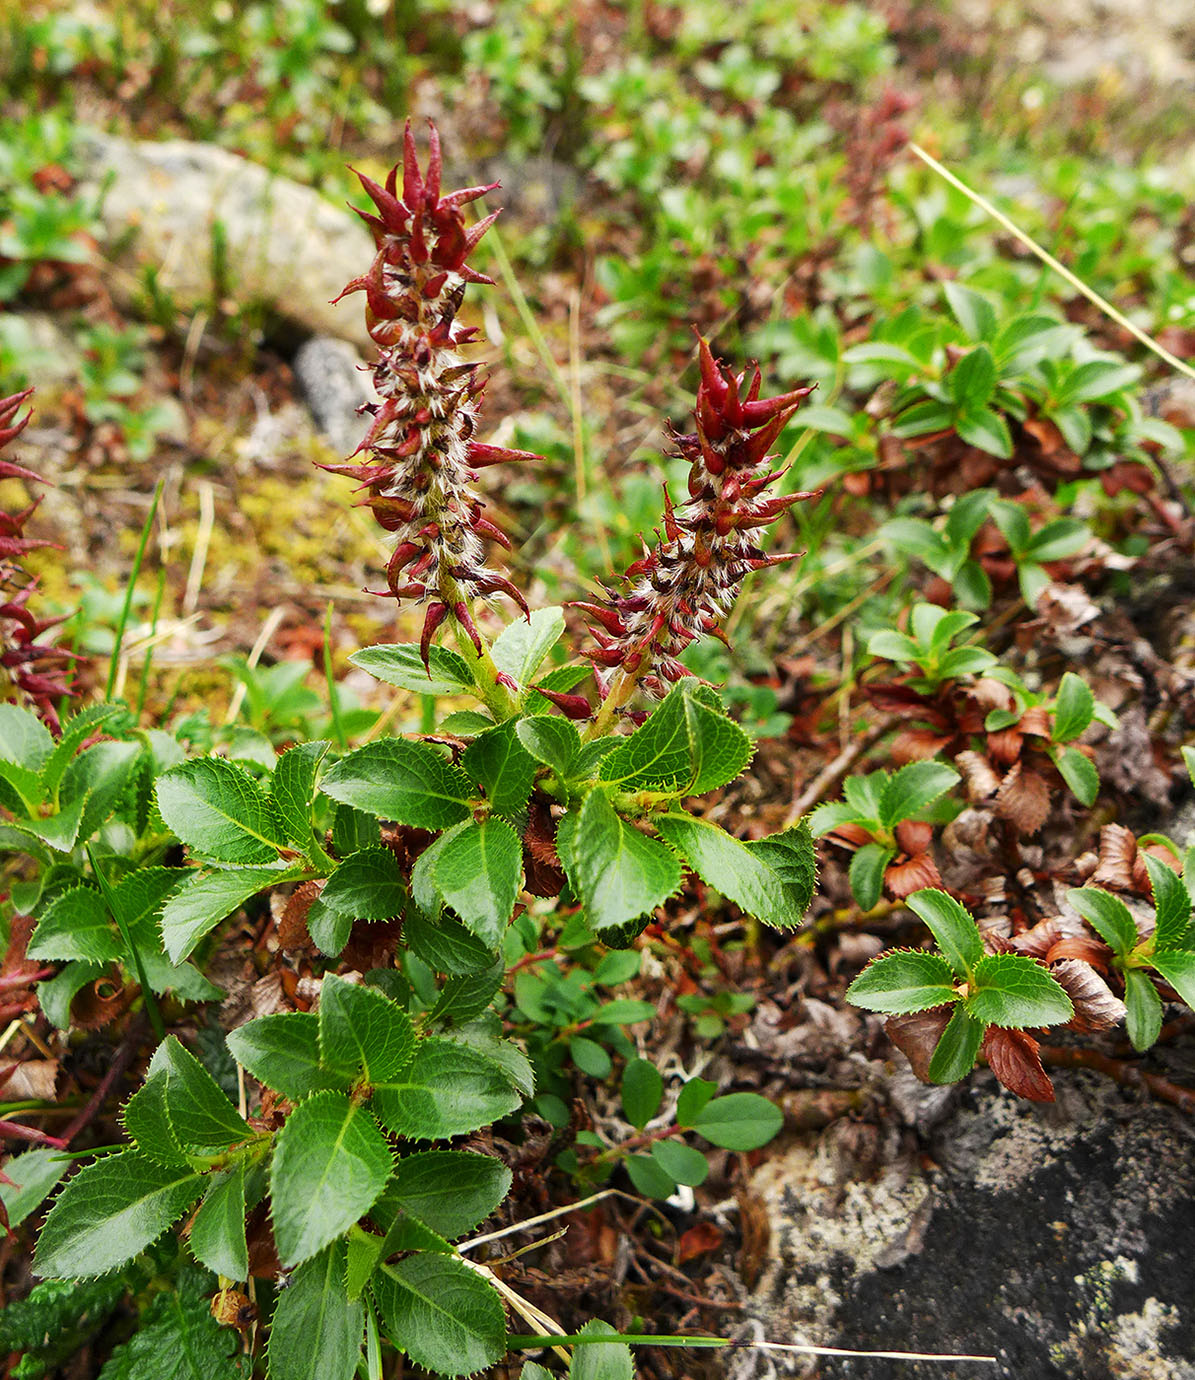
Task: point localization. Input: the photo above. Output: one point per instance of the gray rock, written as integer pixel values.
(1056, 1238)
(165, 205)
(334, 383)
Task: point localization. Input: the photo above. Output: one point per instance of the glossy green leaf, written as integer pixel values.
(367, 885)
(24, 739)
(904, 980)
(316, 1330)
(642, 1092)
(442, 1314)
(1177, 966)
(692, 1098)
(1013, 991)
(31, 1174)
(451, 1191)
(866, 874)
(362, 1033)
(1143, 1009)
(401, 664)
(720, 748)
(972, 381)
(146, 1119)
(522, 645)
(207, 898)
(178, 1339)
(1172, 906)
(479, 872)
(76, 924)
(282, 1051)
(218, 1231)
(550, 739)
(611, 1361)
(292, 791)
(985, 429)
(1108, 916)
(445, 945)
(732, 868)
(954, 929)
(958, 1048)
(739, 1121)
(448, 1089)
(503, 767)
(218, 809)
(204, 1121)
(658, 756)
(110, 1211)
(330, 1164)
(1079, 773)
(621, 874)
(974, 313)
(404, 781)
(1073, 709)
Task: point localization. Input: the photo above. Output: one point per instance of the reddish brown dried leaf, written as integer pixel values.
(1004, 746)
(979, 777)
(917, 1036)
(1024, 800)
(1012, 1056)
(1117, 853)
(698, 1240)
(1096, 1006)
(914, 836)
(915, 745)
(904, 878)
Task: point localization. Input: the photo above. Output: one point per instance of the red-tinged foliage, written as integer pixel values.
(1013, 1057)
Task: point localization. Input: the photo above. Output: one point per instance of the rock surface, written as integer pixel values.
(334, 383)
(166, 206)
(1056, 1238)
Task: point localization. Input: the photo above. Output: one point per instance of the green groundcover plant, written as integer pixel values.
(347, 1180)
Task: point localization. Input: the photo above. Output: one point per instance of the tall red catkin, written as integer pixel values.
(424, 458)
(689, 580)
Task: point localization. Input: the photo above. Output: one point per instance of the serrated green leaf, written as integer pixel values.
(282, 1051)
(738, 872)
(740, 1121)
(31, 1174)
(1172, 905)
(1108, 916)
(912, 788)
(110, 1211)
(649, 1177)
(681, 1162)
(367, 885)
(465, 997)
(448, 1089)
(1189, 762)
(450, 1191)
(1013, 991)
(218, 1231)
(363, 1250)
(293, 789)
(958, 1048)
(550, 739)
(902, 981)
(204, 1121)
(503, 766)
(24, 739)
(658, 756)
(99, 777)
(866, 873)
(1143, 1009)
(445, 945)
(1073, 709)
(484, 1039)
(721, 750)
(58, 831)
(864, 794)
(642, 1092)
(218, 809)
(178, 1339)
(478, 872)
(353, 830)
(362, 1033)
(201, 903)
(57, 993)
(316, 1330)
(611, 1361)
(27, 790)
(1177, 966)
(146, 1120)
(523, 644)
(1079, 773)
(407, 782)
(956, 932)
(401, 664)
(442, 1314)
(76, 925)
(826, 818)
(621, 874)
(330, 1164)
(75, 731)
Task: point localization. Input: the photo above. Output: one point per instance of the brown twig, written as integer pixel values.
(1125, 1072)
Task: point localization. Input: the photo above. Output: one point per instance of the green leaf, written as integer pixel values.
(99, 777)
(353, 830)
(1079, 773)
(482, 1037)
(985, 429)
(362, 1033)
(27, 785)
(1024, 340)
(316, 1331)
(904, 980)
(293, 789)
(621, 874)
(681, 1162)
(1058, 539)
(479, 872)
(401, 664)
(1108, 916)
(914, 787)
(658, 756)
(503, 766)
(642, 1092)
(954, 929)
(721, 750)
(867, 873)
(282, 1051)
(448, 1089)
(407, 782)
(590, 1057)
(450, 1191)
(59, 831)
(366, 886)
(649, 1177)
(76, 924)
(523, 644)
(1172, 904)
(741, 1121)
(826, 818)
(441, 1313)
(693, 1097)
(974, 313)
(1098, 378)
(218, 809)
(611, 1361)
(1013, 991)
(330, 1165)
(199, 906)
(445, 945)
(1143, 1009)
(964, 661)
(465, 997)
(177, 1339)
(147, 1122)
(738, 872)
(466, 723)
(893, 646)
(623, 1011)
(110, 1211)
(24, 739)
(1189, 762)
(32, 1174)
(972, 381)
(1177, 966)
(57, 993)
(218, 1232)
(550, 739)
(204, 1121)
(958, 1048)
(76, 731)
